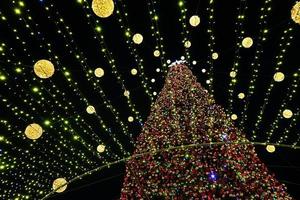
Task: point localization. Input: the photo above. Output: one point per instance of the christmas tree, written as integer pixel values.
(185, 114)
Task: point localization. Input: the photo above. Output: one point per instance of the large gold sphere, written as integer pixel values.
(137, 38)
(270, 148)
(99, 72)
(103, 8)
(295, 13)
(57, 183)
(194, 20)
(33, 131)
(247, 42)
(43, 69)
(101, 148)
(278, 76)
(287, 113)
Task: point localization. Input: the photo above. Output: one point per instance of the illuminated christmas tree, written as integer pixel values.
(185, 114)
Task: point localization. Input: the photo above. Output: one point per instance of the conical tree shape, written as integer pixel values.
(183, 114)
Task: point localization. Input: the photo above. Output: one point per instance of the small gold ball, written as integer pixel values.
(43, 69)
(126, 93)
(278, 76)
(90, 109)
(215, 55)
(59, 185)
(270, 148)
(247, 42)
(33, 131)
(99, 72)
(241, 95)
(287, 113)
(101, 148)
(137, 38)
(156, 53)
(187, 44)
(194, 20)
(130, 119)
(234, 117)
(232, 74)
(103, 8)
(134, 71)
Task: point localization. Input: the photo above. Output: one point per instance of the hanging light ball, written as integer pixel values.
(90, 109)
(101, 148)
(43, 69)
(103, 8)
(99, 72)
(278, 76)
(215, 55)
(133, 71)
(232, 74)
(137, 38)
(33, 131)
(247, 42)
(241, 95)
(130, 119)
(287, 113)
(187, 44)
(295, 13)
(59, 185)
(194, 20)
(234, 117)
(270, 148)
(156, 53)
(126, 93)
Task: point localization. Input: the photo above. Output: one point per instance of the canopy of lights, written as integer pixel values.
(78, 79)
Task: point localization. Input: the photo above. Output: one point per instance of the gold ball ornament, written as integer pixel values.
(43, 69)
(99, 72)
(232, 74)
(234, 117)
(126, 93)
(137, 38)
(133, 71)
(90, 109)
(33, 131)
(101, 148)
(270, 148)
(194, 20)
(59, 185)
(215, 55)
(130, 119)
(241, 95)
(287, 113)
(295, 13)
(247, 42)
(156, 53)
(103, 8)
(278, 76)
(187, 44)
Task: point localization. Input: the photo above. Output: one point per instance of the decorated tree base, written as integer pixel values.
(183, 114)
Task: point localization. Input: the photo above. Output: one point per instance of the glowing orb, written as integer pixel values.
(90, 109)
(187, 44)
(156, 53)
(126, 93)
(278, 76)
(234, 117)
(137, 38)
(43, 69)
(247, 42)
(232, 74)
(194, 20)
(59, 185)
(241, 95)
(99, 72)
(287, 113)
(295, 13)
(101, 148)
(33, 131)
(103, 8)
(133, 71)
(270, 148)
(130, 119)
(215, 55)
